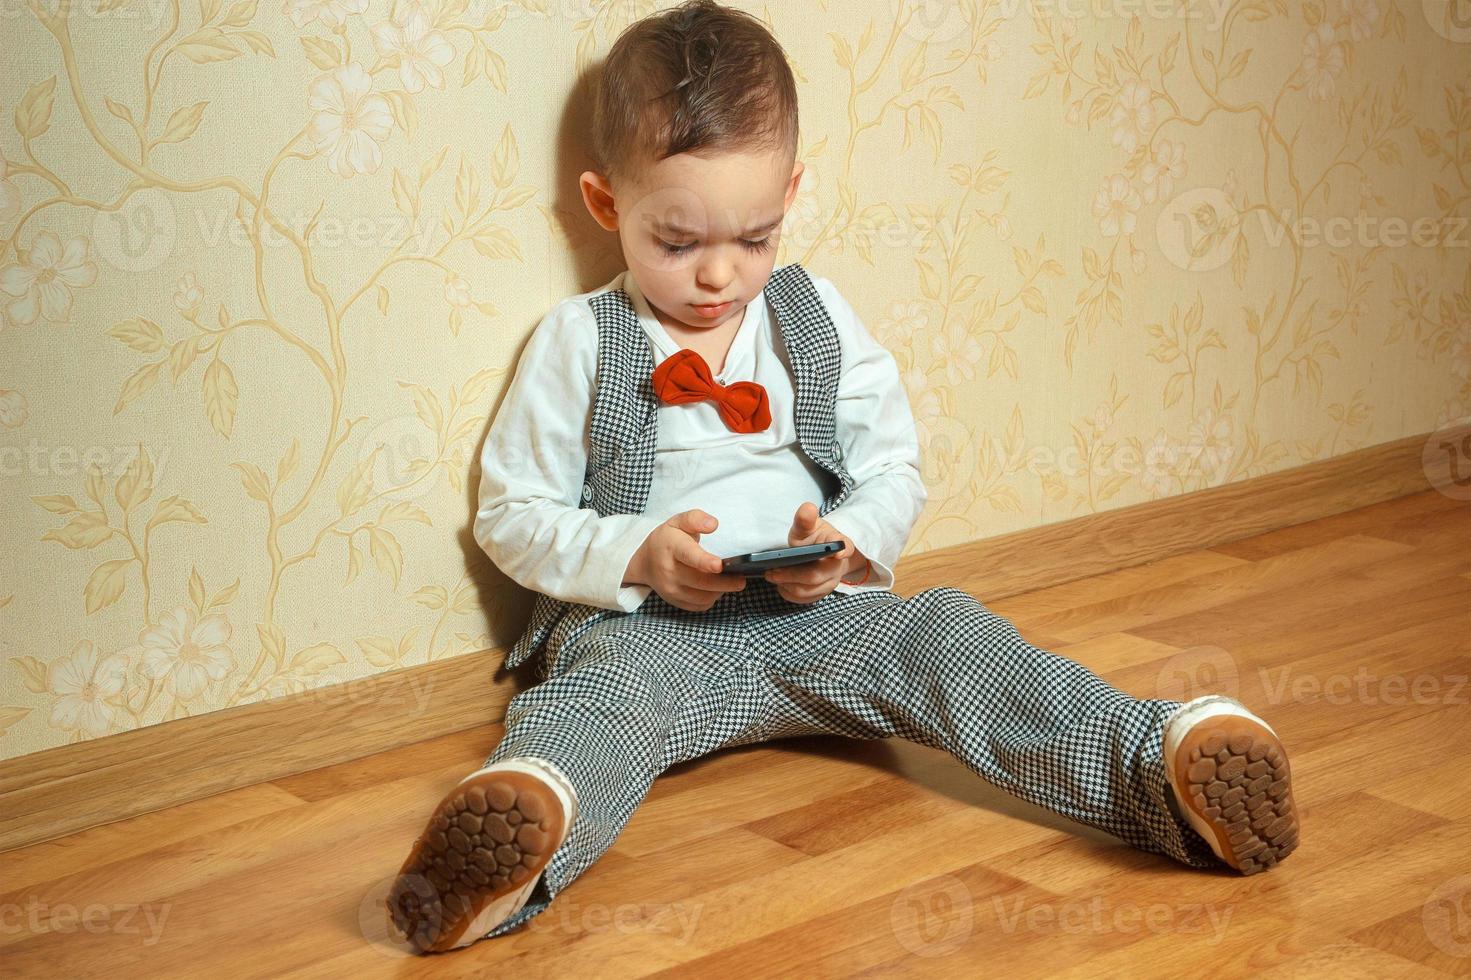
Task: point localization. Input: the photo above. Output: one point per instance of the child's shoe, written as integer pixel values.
(481, 853)
(1231, 780)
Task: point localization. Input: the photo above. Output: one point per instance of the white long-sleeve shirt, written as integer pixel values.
(534, 459)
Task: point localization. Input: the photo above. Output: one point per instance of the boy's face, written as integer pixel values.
(699, 229)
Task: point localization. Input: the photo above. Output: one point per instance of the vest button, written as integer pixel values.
(587, 491)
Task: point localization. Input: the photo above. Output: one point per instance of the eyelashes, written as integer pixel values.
(762, 246)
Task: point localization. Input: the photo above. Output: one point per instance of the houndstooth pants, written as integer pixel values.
(630, 696)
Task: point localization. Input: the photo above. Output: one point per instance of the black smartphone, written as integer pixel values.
(755, 564)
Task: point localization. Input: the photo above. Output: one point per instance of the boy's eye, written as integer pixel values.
(746, 243)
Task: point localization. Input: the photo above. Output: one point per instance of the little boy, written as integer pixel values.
(700, 382)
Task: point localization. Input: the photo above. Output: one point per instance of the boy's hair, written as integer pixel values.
(698, 76)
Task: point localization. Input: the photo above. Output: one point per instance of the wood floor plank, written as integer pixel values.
(1111, 653)
(1294, 569)
(1352, 961)
(1433, 934)
(1030, 606)
(1449, 798)
(869, 811)
(1370, 520)
(1292, 949)
(139, 836)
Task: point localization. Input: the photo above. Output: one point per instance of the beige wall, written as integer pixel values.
(1072, 232)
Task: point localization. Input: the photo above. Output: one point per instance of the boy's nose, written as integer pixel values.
(715, 276)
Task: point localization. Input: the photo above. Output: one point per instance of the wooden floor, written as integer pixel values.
(828, 857)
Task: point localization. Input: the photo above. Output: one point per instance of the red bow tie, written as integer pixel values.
(685, 377)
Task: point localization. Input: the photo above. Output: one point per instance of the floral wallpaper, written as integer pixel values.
(265, 268)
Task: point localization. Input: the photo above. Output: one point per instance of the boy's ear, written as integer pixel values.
(792, 186)
(597, 194)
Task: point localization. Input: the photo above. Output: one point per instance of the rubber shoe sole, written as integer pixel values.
(488, 840)
(1233, 783)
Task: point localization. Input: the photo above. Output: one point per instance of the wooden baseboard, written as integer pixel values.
(1039, 557)
(62, 790)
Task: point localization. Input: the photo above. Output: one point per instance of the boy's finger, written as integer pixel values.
(718, 583)
(706, 582)
(690, 554)
(697, 567)
(711, 587)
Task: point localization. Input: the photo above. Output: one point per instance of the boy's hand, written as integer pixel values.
(672, 563)
(815, 579)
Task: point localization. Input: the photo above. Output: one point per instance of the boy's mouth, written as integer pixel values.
(712, 311)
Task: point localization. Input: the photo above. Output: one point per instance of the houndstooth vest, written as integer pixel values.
(623, 433)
